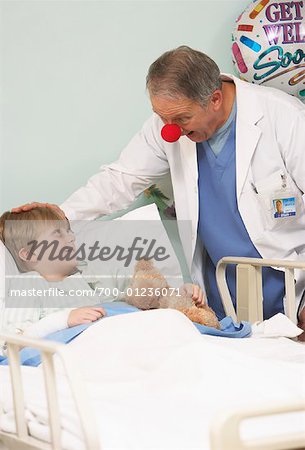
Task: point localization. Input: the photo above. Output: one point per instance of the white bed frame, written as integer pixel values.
(249, 290)
(224, 432)
(21, 440)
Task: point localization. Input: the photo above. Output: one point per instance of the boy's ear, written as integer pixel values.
(24, 255)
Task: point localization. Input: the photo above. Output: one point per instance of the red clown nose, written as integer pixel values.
(171, 132)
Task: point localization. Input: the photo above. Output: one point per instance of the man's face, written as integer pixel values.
(198, 123)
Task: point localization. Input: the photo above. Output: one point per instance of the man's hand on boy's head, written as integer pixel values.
(33, 205)
(195, 292)
(83, 315)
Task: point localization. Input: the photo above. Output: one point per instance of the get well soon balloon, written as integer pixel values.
(269, 45)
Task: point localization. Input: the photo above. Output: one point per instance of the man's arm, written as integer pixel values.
(294, 153)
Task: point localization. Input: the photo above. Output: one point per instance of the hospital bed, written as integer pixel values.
(226, 428)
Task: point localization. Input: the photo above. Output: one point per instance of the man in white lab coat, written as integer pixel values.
(242, 149)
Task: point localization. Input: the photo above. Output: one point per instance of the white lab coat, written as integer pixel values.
(270, 144)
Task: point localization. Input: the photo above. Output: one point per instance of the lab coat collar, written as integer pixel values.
(189, 157)
(249, 114)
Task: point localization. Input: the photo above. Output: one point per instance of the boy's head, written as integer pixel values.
(39, 240)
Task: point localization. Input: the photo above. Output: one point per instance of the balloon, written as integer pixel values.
(269, 45)
(171, 132)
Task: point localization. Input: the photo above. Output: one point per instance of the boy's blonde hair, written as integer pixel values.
(32, 223)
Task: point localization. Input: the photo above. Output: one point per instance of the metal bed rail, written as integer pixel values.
(249, 292)
(225, 429)
(21, 440)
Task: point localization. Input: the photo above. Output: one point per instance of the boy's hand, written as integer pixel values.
(86, 314)
(194, 291)
(33, 205)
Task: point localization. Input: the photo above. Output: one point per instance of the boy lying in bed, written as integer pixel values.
(39, 316)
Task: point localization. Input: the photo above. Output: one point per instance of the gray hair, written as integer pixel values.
(184, 72)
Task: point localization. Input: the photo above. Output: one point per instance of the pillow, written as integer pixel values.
(147, 212)
(7, 267)
(151, 212)
(137, 234)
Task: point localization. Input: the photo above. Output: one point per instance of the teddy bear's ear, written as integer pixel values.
(144, 264)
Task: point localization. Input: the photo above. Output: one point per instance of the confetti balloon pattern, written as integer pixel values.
(269, 45)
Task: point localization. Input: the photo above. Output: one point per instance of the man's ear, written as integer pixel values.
(25, 255)
(216, 99)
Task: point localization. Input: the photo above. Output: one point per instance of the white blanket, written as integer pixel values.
(154, 382)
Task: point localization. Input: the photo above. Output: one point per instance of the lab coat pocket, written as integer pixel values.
(280, 200)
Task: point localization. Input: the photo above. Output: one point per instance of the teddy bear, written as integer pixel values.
(149, 289)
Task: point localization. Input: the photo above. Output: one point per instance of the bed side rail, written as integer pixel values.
(22, 440)
(225, 429)
(249, 291)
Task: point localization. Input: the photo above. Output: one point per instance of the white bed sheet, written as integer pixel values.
(155, 383)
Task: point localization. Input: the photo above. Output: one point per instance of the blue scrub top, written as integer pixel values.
(221, 228)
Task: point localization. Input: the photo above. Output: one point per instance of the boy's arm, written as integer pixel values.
(64, 318)
(49, 324)
(26, 321)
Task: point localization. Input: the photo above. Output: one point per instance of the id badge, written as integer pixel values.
(283, 205)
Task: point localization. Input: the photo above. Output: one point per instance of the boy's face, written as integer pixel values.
(53, 256)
